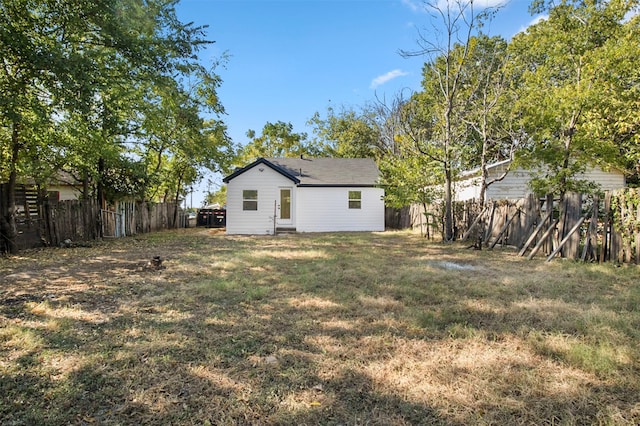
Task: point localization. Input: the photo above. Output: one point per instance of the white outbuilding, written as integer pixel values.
(515, 184)
(274, 195)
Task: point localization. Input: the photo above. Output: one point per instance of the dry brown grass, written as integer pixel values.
(355, 329)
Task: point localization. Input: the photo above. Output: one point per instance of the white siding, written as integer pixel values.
(516, 184)
(327, 209)
(267, 182)
(467, 189)
(608, 181)
(66, 192)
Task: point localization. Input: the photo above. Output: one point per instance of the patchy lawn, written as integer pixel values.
(350, 329)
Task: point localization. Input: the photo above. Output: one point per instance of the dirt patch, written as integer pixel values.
(453, 266)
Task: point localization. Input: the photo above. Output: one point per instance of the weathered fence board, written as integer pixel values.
(543, 239)
(69, 220)
(51, 223)
(570, 244)
(610, 232)
(534, 235)
(565, 241)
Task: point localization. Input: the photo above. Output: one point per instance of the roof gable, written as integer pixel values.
(355, 172)
(264, 162)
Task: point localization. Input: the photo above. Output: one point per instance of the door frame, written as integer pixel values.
(290, 220)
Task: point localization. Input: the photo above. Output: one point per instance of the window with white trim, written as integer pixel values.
(355, 199)
(250, 199)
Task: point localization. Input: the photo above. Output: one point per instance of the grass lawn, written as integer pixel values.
(328, 329)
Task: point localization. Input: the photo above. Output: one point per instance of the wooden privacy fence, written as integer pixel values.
(69, 220)
(589, 228)
(130, 218)
(426, 218)
(53, 223)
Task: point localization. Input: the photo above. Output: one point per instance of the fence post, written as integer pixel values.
(535, 232)
(637, 236)
(548, 242)
(615, 251)
(566, 239)
(571, 239)
(465, 236)
(606, 228)
(591, 240)
(504, 229)
(489, 228)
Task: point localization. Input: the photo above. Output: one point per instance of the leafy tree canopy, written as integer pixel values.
(276, 140)
(562, 69)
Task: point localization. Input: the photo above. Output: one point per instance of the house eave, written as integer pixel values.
(263, 162)
(336, 185)
(477, 171)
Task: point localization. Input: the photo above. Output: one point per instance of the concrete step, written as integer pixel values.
(285, 230)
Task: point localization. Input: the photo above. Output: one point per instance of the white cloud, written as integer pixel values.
(382, 79)
(412, 4)
(534, 21)
(538, 19)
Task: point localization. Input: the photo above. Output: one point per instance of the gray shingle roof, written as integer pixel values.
(321, 171)
(330, 171)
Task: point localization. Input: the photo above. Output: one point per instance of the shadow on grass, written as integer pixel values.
(351, 330)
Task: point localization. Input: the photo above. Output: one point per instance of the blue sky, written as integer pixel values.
(288, 59)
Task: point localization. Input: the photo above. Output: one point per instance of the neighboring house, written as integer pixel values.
(59, 188)
(515, 185)
(62, 186)
(66, 186)
(305, 195)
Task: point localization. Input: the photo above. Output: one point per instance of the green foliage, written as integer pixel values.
(376, 131)
(109, 91)
(176, 142)
(625, 208)
(98, 80)
(348, 133)
(489, 115)
(124, 178)
(277, 140)
(562, 68)
(217, 197)
(410, 178)
(437, 117)
(615, 111)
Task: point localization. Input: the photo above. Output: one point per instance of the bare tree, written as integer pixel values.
(442, 130)
(491, 116)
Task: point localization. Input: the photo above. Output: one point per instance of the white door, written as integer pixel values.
(285, 207)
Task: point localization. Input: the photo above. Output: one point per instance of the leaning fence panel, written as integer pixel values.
(584, 227)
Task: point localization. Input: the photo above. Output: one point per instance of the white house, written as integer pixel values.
(305, 195)
(515, 185)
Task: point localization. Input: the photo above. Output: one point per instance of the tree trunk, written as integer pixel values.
(85, 185)
(448, 206)
(100, 186)
(8, 225)
(4, 214)
(483, 183)
(177, 199)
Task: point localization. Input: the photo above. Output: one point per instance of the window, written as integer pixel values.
(355, 199)
(250, 199)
